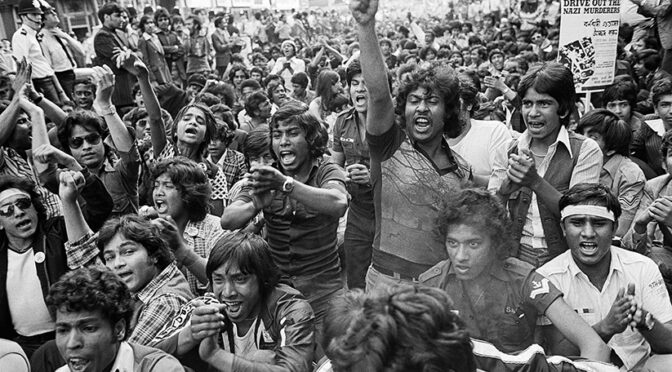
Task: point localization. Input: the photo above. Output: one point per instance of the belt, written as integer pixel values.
(43, 79)
(393, 274)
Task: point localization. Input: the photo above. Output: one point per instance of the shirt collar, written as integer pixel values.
(612, 164)
(563, 137)
(496, 270)
(614, 265)
(146, 293)
(29, 30)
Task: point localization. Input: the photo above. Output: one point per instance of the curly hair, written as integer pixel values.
(87, 119)
(591, 194)
(191, 182)
(438, 79)
(92, 289)
(250, 253)
(316, 135)
(662, 87)
(404, 328)
(139, 230)
(210, 124)
(480, 208)
(26, 185)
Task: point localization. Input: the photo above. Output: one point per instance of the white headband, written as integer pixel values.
(592, 210)
(5, 194)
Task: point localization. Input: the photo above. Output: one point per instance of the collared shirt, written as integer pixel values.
(348, 140)
(295, 64)
(201, 237)
(653, 189)
(55, 50)
(137, 358)
(587, 170)
(233, 164)
(593, 305)
(218, 183)
(25, 44)
(303, 241)
(121, 181)
(506, 312)
(11, 163)
(158, 303)
(626, 181)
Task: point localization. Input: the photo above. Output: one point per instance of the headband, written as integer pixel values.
(592, 210)
(6, 194)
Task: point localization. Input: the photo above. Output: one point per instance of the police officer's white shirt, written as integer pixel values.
(25, 44)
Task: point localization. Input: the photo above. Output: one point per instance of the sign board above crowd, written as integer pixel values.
(588, 38)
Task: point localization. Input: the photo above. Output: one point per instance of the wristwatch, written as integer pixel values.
(647, 323)
(288, 186)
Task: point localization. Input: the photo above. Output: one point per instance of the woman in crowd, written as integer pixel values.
(327, 88)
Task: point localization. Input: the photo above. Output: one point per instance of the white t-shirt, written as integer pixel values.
(24, 294)
(484, 146)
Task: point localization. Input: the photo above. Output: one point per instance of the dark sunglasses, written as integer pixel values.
(77, 142)
(8, 210)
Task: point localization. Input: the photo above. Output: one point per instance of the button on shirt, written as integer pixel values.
(593, 305)
(587, 170)
(25, 44)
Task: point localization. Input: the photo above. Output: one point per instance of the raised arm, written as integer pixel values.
(75, 224)
(380, 116)
(157, 128)
(104, 79)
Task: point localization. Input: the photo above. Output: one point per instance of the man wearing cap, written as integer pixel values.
(620, 293)
(26, 44)
(60, 49)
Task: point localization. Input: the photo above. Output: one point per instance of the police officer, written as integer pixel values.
(25, 44)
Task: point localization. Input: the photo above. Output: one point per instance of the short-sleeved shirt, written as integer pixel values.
(302, 241)
(348, 140)
(593, 305)
(626, 181)
(408, 189)
(506, 313)
(25, 44)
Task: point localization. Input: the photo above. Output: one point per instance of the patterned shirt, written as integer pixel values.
(157, 303)
(83, 252)
(233, 164)
(11, 163)
(201, 236)
(218, 183)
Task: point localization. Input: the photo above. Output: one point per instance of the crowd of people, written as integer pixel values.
(370, 190)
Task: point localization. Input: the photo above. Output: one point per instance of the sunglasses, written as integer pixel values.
(92, 139)
(8, 210)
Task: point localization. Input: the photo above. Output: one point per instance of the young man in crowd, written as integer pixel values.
(93, 309)
(254, 323)
(301, 92)
(107, 46)
(302, 200)
(620, 293)
(84, 93)
(499, 297)
(412, 169)
(545, 161)
(351, 151)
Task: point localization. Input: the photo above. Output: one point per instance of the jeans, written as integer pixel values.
(358, 246)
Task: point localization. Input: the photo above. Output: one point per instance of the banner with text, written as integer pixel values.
(588, 37)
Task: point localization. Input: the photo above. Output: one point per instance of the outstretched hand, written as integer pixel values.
(24, 70)
(103, 77)
(129, 61)
(364, 11)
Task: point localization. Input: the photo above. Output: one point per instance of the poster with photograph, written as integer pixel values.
(588, 37)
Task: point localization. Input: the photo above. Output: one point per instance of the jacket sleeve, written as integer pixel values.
(296, 340)
(97, 200)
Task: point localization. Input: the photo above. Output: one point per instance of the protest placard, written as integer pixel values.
(588, 37)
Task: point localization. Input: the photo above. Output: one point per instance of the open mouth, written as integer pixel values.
(287, 157)
(422, 124)
(588, 249)
(77, 364)
(535, 125)
(360, 100)
(191, 130)
(23, 224)
(233, 307)
(160, 206)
